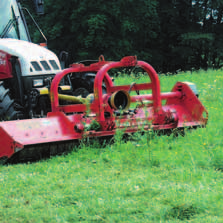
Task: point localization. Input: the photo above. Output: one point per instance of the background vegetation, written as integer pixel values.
(169, 34)
(163, 179)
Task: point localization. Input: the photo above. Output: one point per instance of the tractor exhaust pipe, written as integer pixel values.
(119, 100)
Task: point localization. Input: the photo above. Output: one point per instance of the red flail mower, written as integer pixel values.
(101, 114)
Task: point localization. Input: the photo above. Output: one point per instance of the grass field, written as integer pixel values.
(163, 179)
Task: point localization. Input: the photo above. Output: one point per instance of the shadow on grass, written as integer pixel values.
(182, 212)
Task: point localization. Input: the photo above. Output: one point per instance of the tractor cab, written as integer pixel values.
(12, 22)
(26, 69)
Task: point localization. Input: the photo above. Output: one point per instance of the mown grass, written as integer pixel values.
(163, 179)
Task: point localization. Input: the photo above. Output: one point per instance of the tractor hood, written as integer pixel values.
(34, 59)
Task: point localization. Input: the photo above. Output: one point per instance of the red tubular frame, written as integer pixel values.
(102, 75)
(159, 114)
(163, 96)
(155, 84)
(54, 97)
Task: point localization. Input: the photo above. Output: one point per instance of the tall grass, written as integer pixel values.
(148, 178)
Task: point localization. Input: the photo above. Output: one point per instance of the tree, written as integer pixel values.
(87, 29)
(169, 34)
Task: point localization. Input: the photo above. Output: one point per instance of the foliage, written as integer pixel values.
(87, 29)
(171, 35)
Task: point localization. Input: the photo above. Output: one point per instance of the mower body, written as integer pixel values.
(102, 114)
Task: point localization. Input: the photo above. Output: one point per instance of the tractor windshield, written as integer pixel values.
(11, 22)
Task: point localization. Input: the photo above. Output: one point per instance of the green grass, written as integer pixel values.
(165, 179)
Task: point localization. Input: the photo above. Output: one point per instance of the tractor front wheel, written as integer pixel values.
(83, 84)
(7, 111)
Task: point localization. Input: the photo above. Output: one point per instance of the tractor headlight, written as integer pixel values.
(38, 83)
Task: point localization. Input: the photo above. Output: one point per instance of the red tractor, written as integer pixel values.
(27, 69)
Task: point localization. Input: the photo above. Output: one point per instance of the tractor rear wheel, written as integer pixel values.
(83, 84)
(7, 111)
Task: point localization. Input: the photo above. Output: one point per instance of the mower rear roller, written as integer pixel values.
(67, 124)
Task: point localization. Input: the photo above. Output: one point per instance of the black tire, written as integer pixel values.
(83, 84)
(7, 111)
